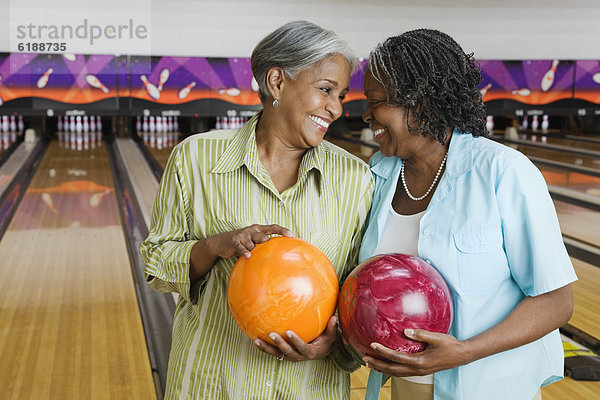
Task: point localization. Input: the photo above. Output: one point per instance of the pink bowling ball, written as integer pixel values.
(389, 293)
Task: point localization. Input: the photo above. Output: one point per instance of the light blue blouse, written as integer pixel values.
(491, 230)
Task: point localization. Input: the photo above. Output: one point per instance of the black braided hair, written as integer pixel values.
(427, 72)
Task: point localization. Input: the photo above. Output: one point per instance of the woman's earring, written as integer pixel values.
(275, 103)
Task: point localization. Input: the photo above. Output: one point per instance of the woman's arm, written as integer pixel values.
(531, 319)
(239, 243)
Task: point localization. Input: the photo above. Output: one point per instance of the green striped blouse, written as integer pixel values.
(213, 183)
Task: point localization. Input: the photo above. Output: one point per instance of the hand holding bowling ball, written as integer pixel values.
(287, 284)
(387, 294)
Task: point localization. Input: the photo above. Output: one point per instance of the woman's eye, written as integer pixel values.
(326, 90)
(342, 97)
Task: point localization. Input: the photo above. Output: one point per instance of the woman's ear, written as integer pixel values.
(275, 80)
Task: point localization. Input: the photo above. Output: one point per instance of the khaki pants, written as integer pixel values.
(405, 390)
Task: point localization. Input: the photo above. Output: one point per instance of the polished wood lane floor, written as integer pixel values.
(69, 318)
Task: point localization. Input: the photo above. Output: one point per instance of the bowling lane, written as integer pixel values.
(571, 180)
(161, 149)
(555, 155)
(71, 323)
(578, 223)
(586, 318)
(561, 141)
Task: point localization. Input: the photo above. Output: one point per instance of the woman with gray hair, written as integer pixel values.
(223, 192)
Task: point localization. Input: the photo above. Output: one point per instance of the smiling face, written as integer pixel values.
(313, 100)
(388, 122)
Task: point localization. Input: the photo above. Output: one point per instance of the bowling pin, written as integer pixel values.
(138, 124)
(522, 92)
(159, 124)
(99, 124)
(93, 81)
(43, 80)
(183, 93)
(152, 124)
(145, 124)
(254, 84)
(485, 89)
(596, 78)
(59, 126)
(86, 124)
(535, 123)
(545, 123)
(164, 75)
(548, 79)
(78, 125)
(170, 124)
(92, 124)
(525, 123)
(20, 124)
(72, 123)
(175, 124)
(218, 124)
(13, 124)
(230, 91)
(150, 88)
(5, 123)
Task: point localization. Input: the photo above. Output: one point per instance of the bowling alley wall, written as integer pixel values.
(199, 65)
(204, 86)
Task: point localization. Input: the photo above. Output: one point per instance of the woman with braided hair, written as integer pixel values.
(479, 212)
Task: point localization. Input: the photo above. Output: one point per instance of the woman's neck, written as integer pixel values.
(277, 153)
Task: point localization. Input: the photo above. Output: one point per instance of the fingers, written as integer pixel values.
(241, 242)
(274, 229)
(280, 348)
(267, 348)
(330, 333)
(424, 336)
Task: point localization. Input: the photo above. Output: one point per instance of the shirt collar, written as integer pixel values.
(460, 154)
(242, 151)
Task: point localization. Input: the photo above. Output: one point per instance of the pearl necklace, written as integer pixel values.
(430, 187)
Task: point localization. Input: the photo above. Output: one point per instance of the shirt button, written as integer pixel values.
(485, 244)
(428, 262)
(281, 204)
(426, 232)
(269, 383)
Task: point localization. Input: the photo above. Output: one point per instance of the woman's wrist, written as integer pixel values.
(201, 258)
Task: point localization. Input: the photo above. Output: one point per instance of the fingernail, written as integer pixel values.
(272, 336)
(409, 332)
(374, 346)
(257, 343)
(289, 334)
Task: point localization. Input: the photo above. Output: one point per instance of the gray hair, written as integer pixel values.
(294, 47)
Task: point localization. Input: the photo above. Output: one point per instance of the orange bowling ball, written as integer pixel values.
(286, 284)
